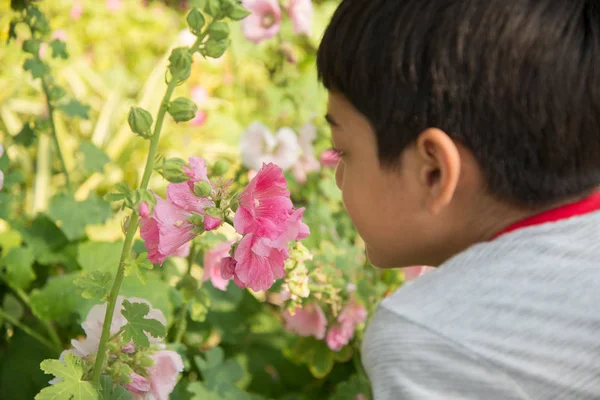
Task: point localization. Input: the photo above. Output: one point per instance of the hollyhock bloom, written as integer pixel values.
(265, 205)
(412, 273)
(59, 34)
(76, 10)
(199, 95)
(330, 158)
(295, 230)
(212, 265)
(264, 22)
(306, 321)
(307, 162)
(199, 119)
(301, 12)
(138, 384)
(113, 5)
(338, 336)
(95, 320)
(352, 314)
(259, 146)
(163, 375)
(257, 265)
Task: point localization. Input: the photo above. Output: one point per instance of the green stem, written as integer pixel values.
(134, 222)
(54, 134)
(29, 331)
(182, 318)
(229, 220)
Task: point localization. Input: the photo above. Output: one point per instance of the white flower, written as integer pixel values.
(258, 146)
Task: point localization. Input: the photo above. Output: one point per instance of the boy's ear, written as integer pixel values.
(440, 166)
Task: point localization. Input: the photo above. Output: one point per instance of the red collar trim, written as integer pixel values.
(585, 206)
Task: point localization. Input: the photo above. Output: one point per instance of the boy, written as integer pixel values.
(469, 139)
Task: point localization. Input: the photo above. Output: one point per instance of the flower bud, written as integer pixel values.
(213, 8)
(173, 170)
(235, 10)
(196, 219)
(144, 209)
(180, 62)
(140, 122)
(220, 168)
(215, 48)
(202, 189)
(182, 109)
(195, 20)
(218, 30)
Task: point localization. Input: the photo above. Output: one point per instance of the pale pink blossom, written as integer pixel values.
(264, 205)
(412, 273)
(144, 210)
(94, 321)
(259, 146)
(352, 314)
(163, 374)
(306, 321)
(301, 13)
(263, 22)
(307, 162)
(199, 95)
(199, 119)
(138, 384)
(212, 264)
(338, 336)
(60, 34)
(113, 5)
(211, 222)
(257, 265)
(76, 10)
(330, 158)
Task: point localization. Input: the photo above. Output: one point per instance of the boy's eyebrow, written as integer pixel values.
(331, 121)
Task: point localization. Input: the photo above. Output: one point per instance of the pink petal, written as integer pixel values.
(211, 223)
(301, 12)
(330, 158)
(338, 336)
(181, 195)
(138, 384)
(253, 26)
(197, 170)
(212, 265)
(352, 314)
(307, 321)
(163, 374)
(228, 268)
(257, 266)
(144, 210)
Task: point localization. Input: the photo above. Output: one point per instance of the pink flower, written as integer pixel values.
(138, 384)
(307, 321)
(338, 336)
(265, 204)
(199, 119)
(330, 158)
(412, 273)
(197, 170)
(295, 230)
(264, 22)
(144, 210)
(352, 314)
(211, 222)
(199, 95)
(113, 5)
(60, 34)
(76, 10)
(163, 374)
(212, 265)
(257, 265)
(301, 12)
(307, 162)
(166, 231)
(95, 320)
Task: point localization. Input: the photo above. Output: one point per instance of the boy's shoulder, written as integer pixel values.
(523, 304)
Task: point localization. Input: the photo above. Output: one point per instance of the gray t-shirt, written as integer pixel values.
(514, 318)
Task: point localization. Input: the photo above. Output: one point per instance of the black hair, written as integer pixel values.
(516, 82)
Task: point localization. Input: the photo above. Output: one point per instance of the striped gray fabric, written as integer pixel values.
(515, 318)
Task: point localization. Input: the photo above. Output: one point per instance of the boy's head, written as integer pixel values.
(456, 117)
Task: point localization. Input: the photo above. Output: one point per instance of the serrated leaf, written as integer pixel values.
(111, 391)
(141, 265)
(71, 387)
(59, 49)
(36, 67)
(95, 285)
(138, 325)
(121, 192)
(75, 109)
(94, 159)
(18, 263)
(26, 136)
(73, 216)
(43, 235)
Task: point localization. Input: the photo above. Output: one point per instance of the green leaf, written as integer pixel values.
(18, 263)
(99, 256)
(350, 389)
(219, 375)
(322, 361)
(26, 136)
(94, 159)
(111, 391)
(121, 192)
(42, 236)
(137, 324)
(140, 266)
(59, 49)
(59, 300)
(95, 285)
(18, 5)
(9, 240)
(75, 109)
(155, 292)
(73, 216)
(36, 67)
(72, 386)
